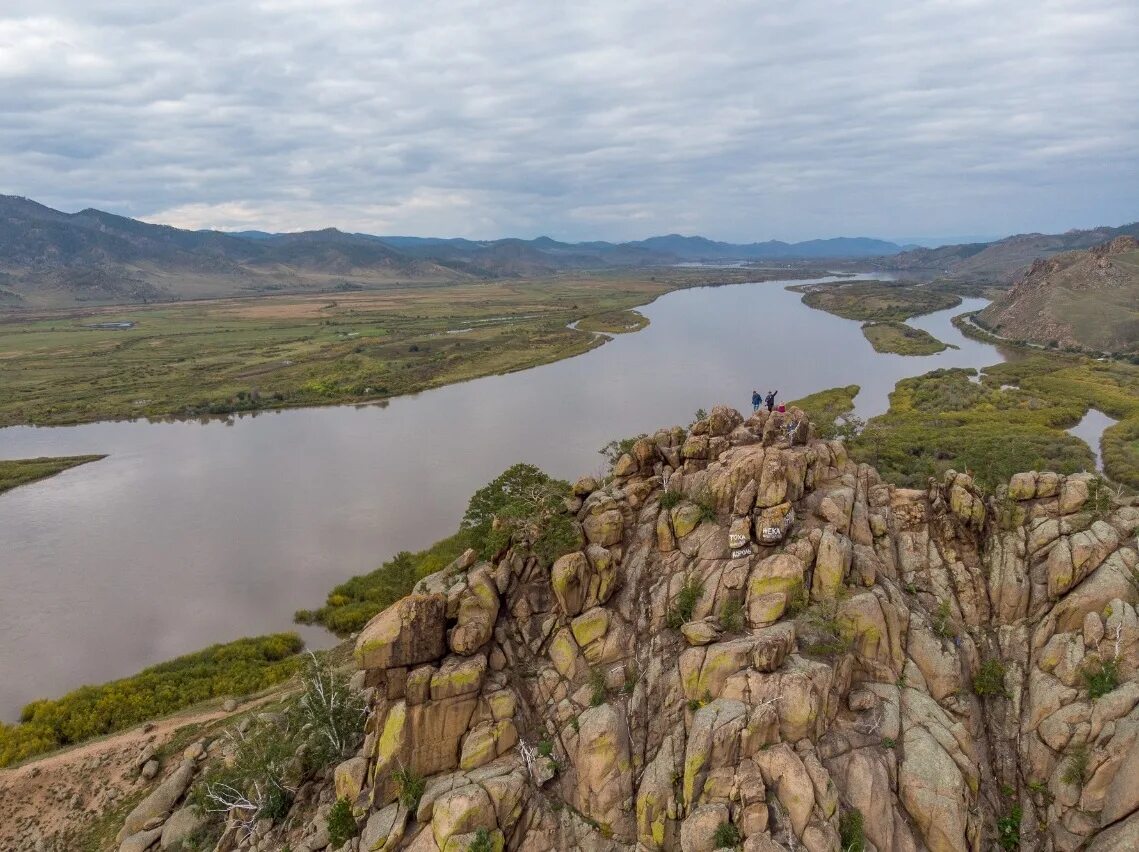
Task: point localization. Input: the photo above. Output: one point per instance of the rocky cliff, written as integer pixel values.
(1084, 299)
(762, 645)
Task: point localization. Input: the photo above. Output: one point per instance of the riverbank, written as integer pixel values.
(17, 472)
(224, 357)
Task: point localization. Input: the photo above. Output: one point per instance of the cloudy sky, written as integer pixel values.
(737, 120)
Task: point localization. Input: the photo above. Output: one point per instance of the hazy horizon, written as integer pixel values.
(735, 122)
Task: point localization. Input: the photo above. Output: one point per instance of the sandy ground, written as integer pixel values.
(65, 792)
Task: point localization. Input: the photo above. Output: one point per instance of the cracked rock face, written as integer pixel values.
(921, 657)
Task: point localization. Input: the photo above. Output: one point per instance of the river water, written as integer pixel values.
(191, 533)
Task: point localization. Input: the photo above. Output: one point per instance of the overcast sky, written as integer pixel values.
(615, 120)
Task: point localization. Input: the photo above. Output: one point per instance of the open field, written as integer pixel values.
(900, 339)
(22, 471)
(876, 301)
(218, 357)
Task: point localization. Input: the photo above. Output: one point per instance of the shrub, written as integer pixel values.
(726, 836)
(990, 679)
(353, 603)
(523, 506)
(1076, 769)
(631, 675)
(330, 711)
(545, 748)
(685, 604)
(889, 742)
(341, 824)
(1008, 829)
(599, 689)
(706, 505)
(820, 627)
(410, 787)
(234, 668)
(943, 621)
(671, 499)
(482, 842)
(850, 831)
(615, 449)
(732, 615)
(1100, 677)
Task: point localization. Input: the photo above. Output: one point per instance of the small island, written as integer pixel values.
(18, 472)
(897, 338)
(613, 322)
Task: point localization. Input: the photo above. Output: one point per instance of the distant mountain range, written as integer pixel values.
(1084, 299)
(48, 257)
(1000, 261)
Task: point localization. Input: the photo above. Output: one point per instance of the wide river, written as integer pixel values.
(190, 533)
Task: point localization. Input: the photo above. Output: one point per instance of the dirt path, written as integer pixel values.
(65, 793)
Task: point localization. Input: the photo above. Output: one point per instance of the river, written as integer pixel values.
(191, 533)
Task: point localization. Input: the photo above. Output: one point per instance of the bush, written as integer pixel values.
(685, 604)
(1076, 769)
(341, 824)
(615, 449)
(820, 627)
(545, 748)
(727, 836)
(671, 499)
(850, 831)
(599, 691)
(732, 615)
(330, 711)
(482, 842)
(235, 668)
(943, 621)
(1100, 677)
(1008, 829)
(522, 506)
(990, 680)
(352, 604)
(411, 787)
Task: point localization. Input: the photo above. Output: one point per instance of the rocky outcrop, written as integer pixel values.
(960, 669)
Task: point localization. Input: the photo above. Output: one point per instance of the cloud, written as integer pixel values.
(592, 120)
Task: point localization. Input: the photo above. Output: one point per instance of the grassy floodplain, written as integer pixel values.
(876, 301)
(218, 357)
(897, 338)
(19, 472)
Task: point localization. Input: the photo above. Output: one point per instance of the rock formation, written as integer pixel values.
(760, 644)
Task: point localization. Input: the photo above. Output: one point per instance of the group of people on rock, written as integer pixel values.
(768, 400)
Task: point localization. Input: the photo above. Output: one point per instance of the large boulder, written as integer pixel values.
(407, 633)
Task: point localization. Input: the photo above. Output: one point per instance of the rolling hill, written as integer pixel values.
(1001, 261)
(1083, 299)
(51, 258)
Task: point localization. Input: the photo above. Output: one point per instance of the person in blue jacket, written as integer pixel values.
(756, 400)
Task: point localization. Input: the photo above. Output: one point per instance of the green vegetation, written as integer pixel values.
(819, 626)
(545, 748)
(943, 624)
(901, 339)
(943, 420)
(726, 836)
(614, 322)
(341, 824)
(276, 753)
(521, 506)
(850, 831)
(235, 668)
(599, 690)
(23, 471)
(732, 615)
(1008, 829)
(1076, 768)
(830, 412)
(890, 742)
(410, 788)
(877, 301)
(353, 603)
(671, 499)
(482, 841)
(221, 357)
(615, 449)
(685, 604)
(990, 679)
(1100, 677)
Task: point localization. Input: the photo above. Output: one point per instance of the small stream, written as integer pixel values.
(1090, 430)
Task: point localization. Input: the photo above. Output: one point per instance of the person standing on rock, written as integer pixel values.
(771, 400)
(756, 400)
